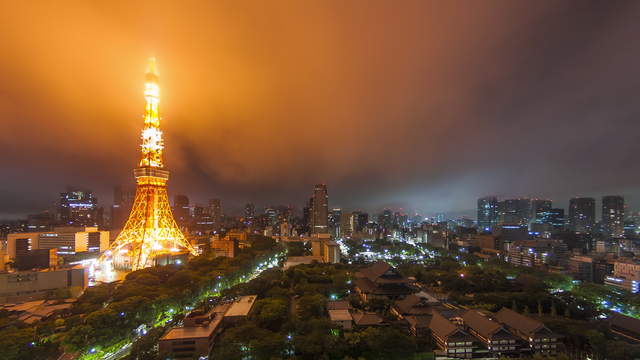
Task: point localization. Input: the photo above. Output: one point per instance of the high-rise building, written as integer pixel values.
(613, 215)
(515, 211)
(540, 210)
(487, 213)
(181, 210)
(345, 224)
(386, 220)
(359, 221)
(215, 211)
(582, 214)
(79, 208)
(122, 201)
(556, 220)
(249, 214)
(320, 210)
(334, 221)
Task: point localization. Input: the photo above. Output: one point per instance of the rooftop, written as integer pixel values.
(242, 306)
(340, 315)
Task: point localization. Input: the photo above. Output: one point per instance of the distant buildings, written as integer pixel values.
(613, 216)
(539, 252)
(79, 208)
(215, 212)
(582, 214)
(122, 202)
(181, 211)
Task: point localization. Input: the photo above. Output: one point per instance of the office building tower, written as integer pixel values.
(556, 220)
(345, 224)
(79, 208)
(181, 210)
(359, 221)
(320, 210)
(386, 220)
(487, 213)
(540, 211)
(122, 202)
(582, 214)
(515, 211)
(249, 214)
(334, 221)
(215, 211)
(613, 216)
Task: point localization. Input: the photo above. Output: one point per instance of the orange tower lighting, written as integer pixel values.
(151, 229)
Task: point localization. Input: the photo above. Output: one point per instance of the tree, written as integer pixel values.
(540, 308)
(554, 310)
(310, 306)
(271, 313)
(387, 343)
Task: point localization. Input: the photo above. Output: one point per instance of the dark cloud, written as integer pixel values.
(421, 104)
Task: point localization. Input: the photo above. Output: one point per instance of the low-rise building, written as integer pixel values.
(626, 275)
(538, 252)
(533, 332)
(625, 326)
(196, 337)
(452, 340)
(495, 338)
(341, 317)
(240, 309)
(33, 285)
(382, 281)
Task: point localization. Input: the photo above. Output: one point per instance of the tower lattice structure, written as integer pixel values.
(151, 230)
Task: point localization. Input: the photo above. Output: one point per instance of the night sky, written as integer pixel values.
(424, 105)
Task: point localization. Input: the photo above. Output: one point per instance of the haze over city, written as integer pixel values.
(425, 106)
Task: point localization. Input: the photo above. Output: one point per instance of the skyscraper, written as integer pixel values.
(249, 213)
(122, 201)
(359, 221)
(613, 215)
(215, 211)
(556, 220)
(181, 209)
(320, 210)
(487, 213)
(515, 211)
(79, 208)
(582, 214)
(540, 210)
(334, 221)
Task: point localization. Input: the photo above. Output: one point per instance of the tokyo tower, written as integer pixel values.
(151, 230)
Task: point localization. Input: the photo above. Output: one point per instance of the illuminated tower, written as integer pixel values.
(151, 230)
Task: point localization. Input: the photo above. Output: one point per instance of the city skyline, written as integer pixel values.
(418, 124)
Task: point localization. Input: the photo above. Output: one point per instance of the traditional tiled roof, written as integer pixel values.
(419, 322)
(340, 315)
(366, 319)
(338, 305)
(441, 326)
(413, 304)
(624, 323)
(521, 323)
(483, 325)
